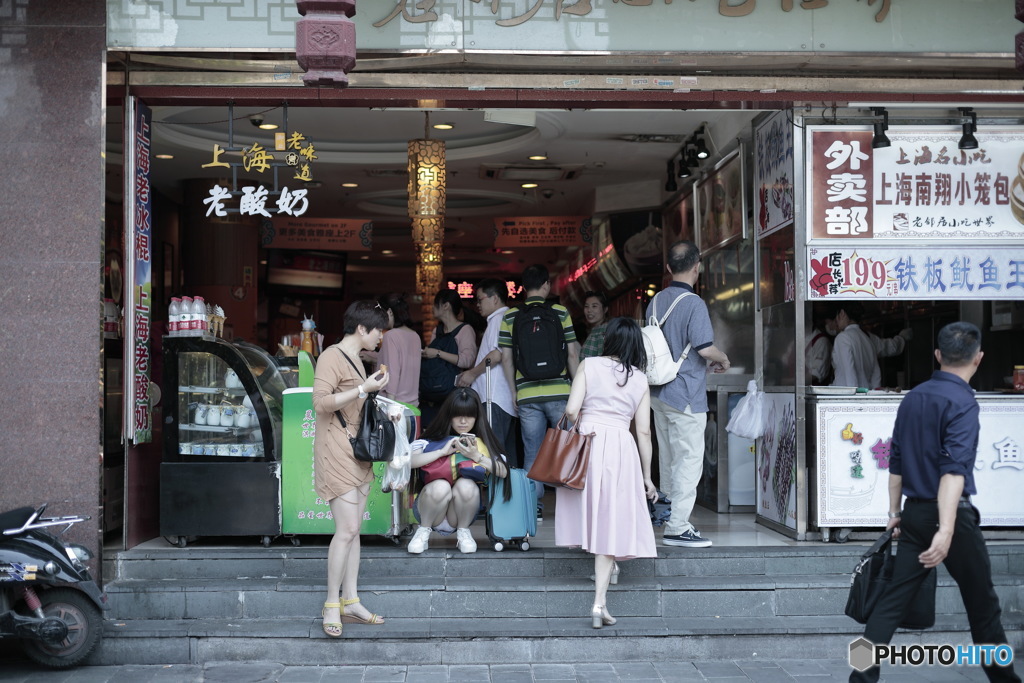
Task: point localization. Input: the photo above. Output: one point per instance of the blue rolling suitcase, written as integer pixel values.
(512, 522)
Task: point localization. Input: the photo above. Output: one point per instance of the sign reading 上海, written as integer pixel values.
(922, 187)
(773, 174)
(334, 234)
(141, 225)
(903, 272)
(542, 231)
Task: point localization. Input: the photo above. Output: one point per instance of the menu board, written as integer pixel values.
(721, 204)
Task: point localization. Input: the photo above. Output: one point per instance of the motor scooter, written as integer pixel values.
(48, 599)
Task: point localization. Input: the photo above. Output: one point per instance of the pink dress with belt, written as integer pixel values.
(609, 516)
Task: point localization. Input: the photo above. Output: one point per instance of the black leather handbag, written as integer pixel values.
(871, 578)
(375, 440)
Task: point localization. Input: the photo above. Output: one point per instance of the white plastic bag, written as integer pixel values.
(748, 418)
(396, 475)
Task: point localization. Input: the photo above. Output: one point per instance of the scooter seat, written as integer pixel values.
(15, 519)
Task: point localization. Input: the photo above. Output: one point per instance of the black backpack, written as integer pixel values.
(437, 376)
(538, 343)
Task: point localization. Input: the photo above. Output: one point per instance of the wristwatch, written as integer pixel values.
(362, 394)
(895, 515)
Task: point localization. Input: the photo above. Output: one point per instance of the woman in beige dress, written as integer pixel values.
(342, 481)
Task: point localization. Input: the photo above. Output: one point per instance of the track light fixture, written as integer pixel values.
(698, 140)
(684, 168)
(693, 157)
(670, 184)
(880, 140)
(967, 140)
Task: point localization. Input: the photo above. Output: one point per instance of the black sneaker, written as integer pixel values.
(540, 514)
(687, 539)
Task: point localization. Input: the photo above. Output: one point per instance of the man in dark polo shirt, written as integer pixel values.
(934, 446)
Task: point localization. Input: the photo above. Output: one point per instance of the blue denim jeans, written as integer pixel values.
(534, 420)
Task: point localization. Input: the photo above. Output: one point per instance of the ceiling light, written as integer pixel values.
(670, 184)
(507, 251)
(364, 257)
(528, 186)
(684, 168)
(701, 147)
(967, 140)
(350, 184)
(538, 157)
(879, 140)
(268, 126)
(444, 126)
(692, 158)
(164, 156)
(387, 252)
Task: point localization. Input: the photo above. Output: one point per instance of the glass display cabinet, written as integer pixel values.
(220, 474)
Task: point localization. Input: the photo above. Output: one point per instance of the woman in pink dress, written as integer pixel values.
(609, 517)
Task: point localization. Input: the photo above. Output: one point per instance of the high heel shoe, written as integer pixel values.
(331, 628)
(613, 578)
(599, 617)
(374, 619)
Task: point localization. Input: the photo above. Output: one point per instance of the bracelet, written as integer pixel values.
(895, 515)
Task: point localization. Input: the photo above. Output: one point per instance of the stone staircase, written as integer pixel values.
(196, 605)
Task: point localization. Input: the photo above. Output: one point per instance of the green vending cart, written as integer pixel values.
(303, 512)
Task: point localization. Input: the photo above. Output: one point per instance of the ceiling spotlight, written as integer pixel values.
(684, 168)
(387, 252)
(164, 156)
(350, 184)
(268, 126)
(538, 157)
(880, 140)
(670, 184)
(528, 186)
(444, 126)
(967, 140)
(701, 147)
(693, 157)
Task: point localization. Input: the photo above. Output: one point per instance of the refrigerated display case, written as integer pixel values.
(221, 470)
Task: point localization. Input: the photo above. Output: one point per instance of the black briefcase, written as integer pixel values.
(871, 578)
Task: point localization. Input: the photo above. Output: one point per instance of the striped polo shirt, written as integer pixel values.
(538, 391)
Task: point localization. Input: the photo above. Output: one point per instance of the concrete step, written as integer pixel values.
(467, 640)
(522, 597)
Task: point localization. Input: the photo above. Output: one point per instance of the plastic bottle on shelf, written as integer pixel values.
(173, 316)
(185, 319)
(201, 321)
(308, 330)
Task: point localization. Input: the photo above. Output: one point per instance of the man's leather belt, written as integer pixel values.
(964, 500)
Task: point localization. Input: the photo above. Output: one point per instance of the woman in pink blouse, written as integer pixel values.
(400, 351)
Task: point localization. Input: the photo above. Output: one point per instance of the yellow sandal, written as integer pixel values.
(331, 628)
(374, 619)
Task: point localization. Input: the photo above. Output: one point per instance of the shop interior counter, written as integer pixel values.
(850, 438)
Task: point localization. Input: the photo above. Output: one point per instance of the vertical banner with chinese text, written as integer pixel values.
(138, 240)
(773, 174)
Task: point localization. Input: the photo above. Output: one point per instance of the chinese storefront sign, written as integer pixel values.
(921, 188)
(773, 174)
(466, 289)
(334, 234)
(256, 200)
(853, 451)
(542, 231)
(903, 272)
(137, 389)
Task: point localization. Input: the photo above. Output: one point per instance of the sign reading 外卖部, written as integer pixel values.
(903, 272)
(542, 231)
(333, 234)
(906, 26)
(922, 187)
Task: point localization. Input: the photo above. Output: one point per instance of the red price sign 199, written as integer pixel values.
(861, 272)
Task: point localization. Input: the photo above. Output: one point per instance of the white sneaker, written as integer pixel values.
(420, 540)
(465, 540)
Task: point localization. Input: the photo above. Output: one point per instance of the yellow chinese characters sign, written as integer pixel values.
(542, 231)
(334, 234)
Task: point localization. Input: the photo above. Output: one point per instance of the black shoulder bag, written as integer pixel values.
(375, 440)
(871, 578)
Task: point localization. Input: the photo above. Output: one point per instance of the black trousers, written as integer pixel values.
(968, 564)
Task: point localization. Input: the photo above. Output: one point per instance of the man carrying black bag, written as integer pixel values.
(934, 446)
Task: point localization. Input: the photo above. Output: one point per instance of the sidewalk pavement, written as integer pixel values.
(752, 671)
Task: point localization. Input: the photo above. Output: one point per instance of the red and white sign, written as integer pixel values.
(922, 187)
(542, 231)
(332, 234)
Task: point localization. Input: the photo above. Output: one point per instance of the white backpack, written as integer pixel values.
(661, 368)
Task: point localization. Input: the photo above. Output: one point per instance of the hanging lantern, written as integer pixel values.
(426, 209)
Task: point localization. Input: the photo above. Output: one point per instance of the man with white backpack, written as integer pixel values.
(680, 406)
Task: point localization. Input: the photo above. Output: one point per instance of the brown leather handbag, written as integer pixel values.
(563, 457)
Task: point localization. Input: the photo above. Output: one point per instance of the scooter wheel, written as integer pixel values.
(85, 627)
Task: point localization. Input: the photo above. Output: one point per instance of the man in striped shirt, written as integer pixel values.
(540, 402)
